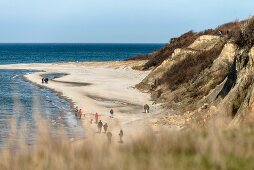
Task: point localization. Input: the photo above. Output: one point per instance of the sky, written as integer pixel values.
(113, 21)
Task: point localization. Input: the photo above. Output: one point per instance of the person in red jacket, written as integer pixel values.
(96, 116)
(80, 113)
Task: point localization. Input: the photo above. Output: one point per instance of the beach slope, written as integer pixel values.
(98, 87)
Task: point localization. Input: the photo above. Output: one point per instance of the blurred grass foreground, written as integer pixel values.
(213, 147)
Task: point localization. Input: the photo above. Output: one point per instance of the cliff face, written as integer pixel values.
(211, 76)
(181, 54)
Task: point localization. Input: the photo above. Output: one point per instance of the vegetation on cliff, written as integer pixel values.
(209, 76)
(212, 68)
(183, 41)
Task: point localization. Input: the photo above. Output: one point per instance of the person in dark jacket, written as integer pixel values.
(111, 113)
(105, 126)
(100, 124)
(46, 80)
(121, 135)
(146, 108)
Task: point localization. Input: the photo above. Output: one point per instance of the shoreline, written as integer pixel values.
(59, 94)
(129, 113)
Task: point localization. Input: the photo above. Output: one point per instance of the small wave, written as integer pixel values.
(14, 77)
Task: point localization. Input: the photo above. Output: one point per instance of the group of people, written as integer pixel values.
(100, 125)
(224, 33)
(44, 80)
(79, 112)
(109, 134)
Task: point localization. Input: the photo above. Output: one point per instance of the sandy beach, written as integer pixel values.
(98, 87)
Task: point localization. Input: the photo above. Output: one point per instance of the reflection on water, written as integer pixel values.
(21, 101)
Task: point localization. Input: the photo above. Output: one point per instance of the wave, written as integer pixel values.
(14, 77)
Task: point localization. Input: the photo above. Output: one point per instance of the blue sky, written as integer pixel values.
(113, 21)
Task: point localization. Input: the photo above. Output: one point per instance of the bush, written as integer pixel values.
(190, 67)
(156, 58)
(245, 36)
(181, 42)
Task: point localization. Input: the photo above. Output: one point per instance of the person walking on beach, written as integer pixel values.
(80, 113)
(146, 108)
(100, 124)
(121, 136)
(109, 136)
(76, 111)
(111, 113)
(46, 80)
(105, 127)
(96, 116)
(42, 80)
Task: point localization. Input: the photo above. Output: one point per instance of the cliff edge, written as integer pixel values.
(205, 75)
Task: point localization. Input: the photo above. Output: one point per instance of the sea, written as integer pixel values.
(24, 105)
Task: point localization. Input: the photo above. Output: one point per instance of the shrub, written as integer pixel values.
(245, 36)
(156, 58)
(190, 67)
(181, 42)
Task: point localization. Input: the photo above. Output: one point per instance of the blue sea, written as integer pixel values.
(48, 53)
(22, 104)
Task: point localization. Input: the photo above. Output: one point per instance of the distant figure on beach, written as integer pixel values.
(96, 116)
(46, 80)
(109, 136)
(42, 80)
(220, 33)
(111, 113)
(121, 135)
(105, 127)
(76, 111)
(146, 108)
(100, 124)
(80, 113)
(91, 121)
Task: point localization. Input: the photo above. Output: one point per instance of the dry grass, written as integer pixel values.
(180, 42)
(244, 37)
(156, 58)
(211, 148)
(189, 68)
(229, 30)
(214, 147)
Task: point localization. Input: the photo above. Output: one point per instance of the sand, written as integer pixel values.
(98, 87)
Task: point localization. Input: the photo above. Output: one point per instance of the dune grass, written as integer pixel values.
(213, 147)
